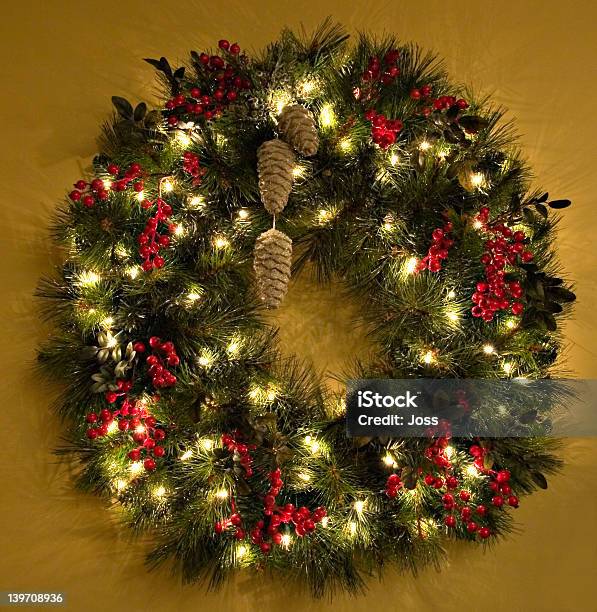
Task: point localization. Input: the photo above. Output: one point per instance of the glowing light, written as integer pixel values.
(388, 226)
(451, 294)
(477, 224)
(477, 179)
(136, 467)
(205, 360)
(193, 296)
(280, 99)
(353, 528)
(389, 460)
(140, 196)
(511, 323)
(113, 427)
(394, 159)
(452, 316)
(183, 139)
(304, 477)
(222, 494)
(424, 146)
(179, 230)
(286, 540)
(271, 395)
(471, 471)
(324, 521)
(88, 277)
(111, 341)
(133, 271)
(241, 551)
(359, 506)
(107, 322)
(324, 215)
(243, 214)
(233, 347)
(121, 484)
(196, 202)
(428, 357)
(449, 451)
(298, 171)
(307, 87)
(488, 349)
(159, 492)
(140, 429)
(411, 265)
(312, 443)
(107, 183)
(221, 243)
(327, 116)
(345, 144)
(167, 185)
(186, 455)
(207, 444)
(507, 367)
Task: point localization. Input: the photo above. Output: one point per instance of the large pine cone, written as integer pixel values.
(272, 261)
(275, 163)
(298, 127)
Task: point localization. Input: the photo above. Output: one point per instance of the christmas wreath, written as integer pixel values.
(372, 168)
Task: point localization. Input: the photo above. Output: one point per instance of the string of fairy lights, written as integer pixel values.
(313, 447)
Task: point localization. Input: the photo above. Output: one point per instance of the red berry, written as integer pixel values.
(484, 532)
(464, 495)
(149, 464)
(513, 501)
(527, 256)
(503, 476)
(450, 521)
(481, 510)
(265, 547)
(224, 44)
(517, 308)
(235, 49)
(471, 527)
(497, 500)
(134, 455)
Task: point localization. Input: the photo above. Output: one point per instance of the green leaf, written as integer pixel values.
(561, 294)
(539, 479)
(553, 307)
(140, 111)
(542, 210)
(559, 204)
(179, 73)
(473, 124)
(123, 107)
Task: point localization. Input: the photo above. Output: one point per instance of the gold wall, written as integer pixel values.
(60, 63)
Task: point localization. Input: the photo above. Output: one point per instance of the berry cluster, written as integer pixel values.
(458, 509)
(98, 189)
(440, 245)
(150, 241)
(163, 355)
(442, 103)
(383, 130)
(221, 85)
(241, 452)
(384, 74)
(131, 416)
(505, 247)
(393, 485)
(500, 486)
(191, 165)
(268, 528)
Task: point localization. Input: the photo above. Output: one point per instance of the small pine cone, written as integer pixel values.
(298, 127)
(272, 261)
(275, 163)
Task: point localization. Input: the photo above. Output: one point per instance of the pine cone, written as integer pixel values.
(272, 260)
(275, 163)
(298, 127)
